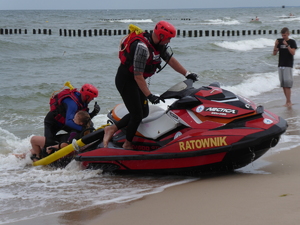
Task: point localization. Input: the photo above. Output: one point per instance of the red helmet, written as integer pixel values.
(166, 29)
(88, 92)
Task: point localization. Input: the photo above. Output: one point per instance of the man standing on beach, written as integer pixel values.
(287, 49)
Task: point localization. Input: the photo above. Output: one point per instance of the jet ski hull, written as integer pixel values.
(232, 149)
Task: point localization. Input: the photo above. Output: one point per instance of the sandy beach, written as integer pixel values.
(270, 196)
(235, 198)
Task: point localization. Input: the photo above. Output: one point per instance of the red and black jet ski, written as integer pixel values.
(207, 129)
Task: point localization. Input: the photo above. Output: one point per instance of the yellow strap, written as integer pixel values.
(67, 84)
(132, 28)
(136, 29)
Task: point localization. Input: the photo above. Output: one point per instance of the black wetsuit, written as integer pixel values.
(134, 99)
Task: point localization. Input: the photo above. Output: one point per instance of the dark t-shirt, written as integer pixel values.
(285, 57)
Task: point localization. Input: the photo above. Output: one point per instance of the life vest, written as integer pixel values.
(126, 57)
(56, 103)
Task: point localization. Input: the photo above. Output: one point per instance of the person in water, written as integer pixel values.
(140, 56)
(287, 49)
(63, 109)
(81, 118)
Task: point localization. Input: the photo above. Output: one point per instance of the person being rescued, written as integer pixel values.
(63, 107)
(81, 118)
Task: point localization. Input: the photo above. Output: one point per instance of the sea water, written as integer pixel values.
(33, 66)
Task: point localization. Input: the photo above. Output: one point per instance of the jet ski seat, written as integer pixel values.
(154, 112)
(154, 125)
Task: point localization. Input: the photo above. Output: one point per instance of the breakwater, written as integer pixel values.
(107, 32)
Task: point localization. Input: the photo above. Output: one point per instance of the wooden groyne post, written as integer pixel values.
(106, 32)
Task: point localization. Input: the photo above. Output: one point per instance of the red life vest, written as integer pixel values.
(56, 102)
(126, 57)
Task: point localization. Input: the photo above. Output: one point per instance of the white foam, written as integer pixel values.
(246, 45)
(255, 84)
(286, 19)
(224, 21)
(133, 21)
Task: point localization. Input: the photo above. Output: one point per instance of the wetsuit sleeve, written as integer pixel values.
(141, 56)
(71, 109)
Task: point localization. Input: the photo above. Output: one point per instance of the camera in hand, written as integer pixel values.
(280, 41)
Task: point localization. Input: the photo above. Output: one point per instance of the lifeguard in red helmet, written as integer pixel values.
(63, 107)
(141, 54)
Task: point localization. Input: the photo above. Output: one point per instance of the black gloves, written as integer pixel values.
(154, 99)
(192, 76)
(95, 111)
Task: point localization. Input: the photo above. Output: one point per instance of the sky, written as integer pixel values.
(139, 4)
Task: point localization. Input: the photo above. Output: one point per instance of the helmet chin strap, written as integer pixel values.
(160, 39)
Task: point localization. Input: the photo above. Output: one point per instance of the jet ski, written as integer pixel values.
(206, 129)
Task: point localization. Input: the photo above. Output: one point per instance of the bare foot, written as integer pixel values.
(288, 104)
(108, 133)
(127, 145)
(20, 156)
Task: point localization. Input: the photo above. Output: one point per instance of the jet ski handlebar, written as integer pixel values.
(179, 90)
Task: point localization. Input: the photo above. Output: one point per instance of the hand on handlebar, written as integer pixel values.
(155, 99)
(192, 76)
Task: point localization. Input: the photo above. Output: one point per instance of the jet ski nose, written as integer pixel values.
(274, 142)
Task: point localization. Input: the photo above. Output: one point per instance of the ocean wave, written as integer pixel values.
(246, 45)
(255, 84)
(258, 83)
(288, 19)
(74, 188)
(132, 20)
(224, 21)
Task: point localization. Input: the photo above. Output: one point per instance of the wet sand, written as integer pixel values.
(234, 198)
(270, 196)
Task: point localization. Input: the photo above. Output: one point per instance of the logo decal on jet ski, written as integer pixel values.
(200, 108)
(202, 143)
(220, 111)
(268, 121)
(173, 115)
(177, 134)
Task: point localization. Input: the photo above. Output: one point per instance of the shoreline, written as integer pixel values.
(234, 198)
(231, 198)
(271, 197)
